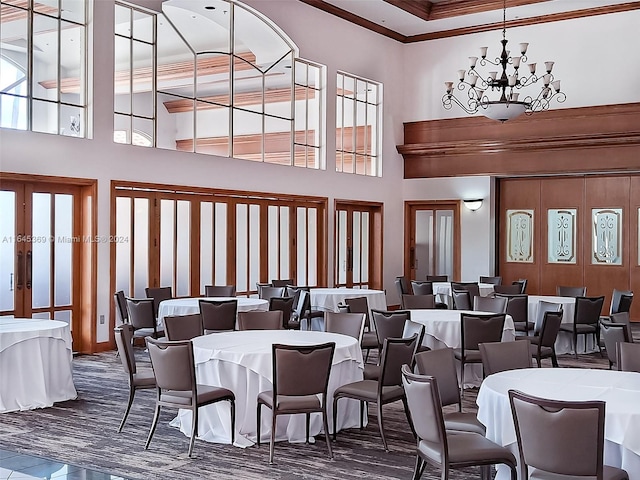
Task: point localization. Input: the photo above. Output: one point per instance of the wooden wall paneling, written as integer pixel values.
(634, 257)
(601, 279)
(559, 193)
(519, 194)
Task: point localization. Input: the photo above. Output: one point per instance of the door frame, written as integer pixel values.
(84, 271)
(411, 206)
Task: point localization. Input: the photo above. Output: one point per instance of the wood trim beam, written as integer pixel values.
(455, 8)
(419, 8)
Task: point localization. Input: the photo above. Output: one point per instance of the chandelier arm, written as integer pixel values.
(531, 79)
(448, 100)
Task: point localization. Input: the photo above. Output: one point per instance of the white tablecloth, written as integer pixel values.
(241, 361)
(620, 391)
(564, 342)
(35, 364)
(189, 305)
(328, 299)
(442, 329)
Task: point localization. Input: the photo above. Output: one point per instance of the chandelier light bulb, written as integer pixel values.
(532, 67)
(516, 62)
(472, 80)
(512, 80)
(547, 79)
(461, 74)
(548, 66)
(472, 62)
(483, 52)
(556, 85)
(449, 86)
(523, 48)
(493, 75)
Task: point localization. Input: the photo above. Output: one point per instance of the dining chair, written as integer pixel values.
(585, 321)
(413, 302)
(513, 289)
(561, 437)
(501, 356)
(402, 287)
(628, 357)
(421, 288)
(442, 448)
(218, 315)
(461, 299)
(219, 290)
(522, 283)
(266, 292)
(518, 308)
(306, 312)
(441, 364)
(491, 280)
(387, 389)
(158, 294)
(564, 291)
(369, 337)
(622, 317)
(543, 344)
(437, 278)
(259, 320)
(175, 374)
(295, 390)
(388, 324)
(142, 317)
(620, 301)
(471, 287)
(414, 328)
(351, 324)
(490, 304)
(612, 334)
(544, 307)
(474, 330)
(183, 327)
(121, 306)
(285, 305)
(138, 380)
(282, 282)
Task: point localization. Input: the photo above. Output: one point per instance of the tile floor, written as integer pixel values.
(17, 466)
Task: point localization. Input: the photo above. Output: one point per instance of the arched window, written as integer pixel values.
(217, 78)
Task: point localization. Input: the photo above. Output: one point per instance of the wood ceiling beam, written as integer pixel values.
(456, 8)
(419, 8)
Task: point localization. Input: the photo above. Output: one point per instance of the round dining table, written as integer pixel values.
(619, 390)
(442, 330)
(242, 362)
(328, 299)
(35, 363)
(189, 305)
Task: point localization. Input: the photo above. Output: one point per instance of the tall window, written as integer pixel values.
(216, 78)
(358, 128)
(43, 66)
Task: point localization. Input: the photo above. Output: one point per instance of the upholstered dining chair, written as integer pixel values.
(518, 308)
(121, 306)
(628, 357)
(474, 330)
(471, 287)
(402, 287)
(490, 304)
(388, 324)
(413, 302)
(369, 337)
(258, 320)
(175, 373)
(282, 282)
(612, 334)
(285, 305)
(441, 364)
(513, 289)
(138, 380)
(437, 278)
(219, 290)
(564, 291)
(522, 283)
(267, 291)
(218, 315)
(576, 447)
(442, 448)
(414, 328)
(387, 389)
(620, 301)
(461, 299)
(585, 320)
(501, 356)
(491, 280)
(183, 327)
(142, 317)
(421, 288)
(295, 390)
(622, 317)
(351, 324)
(543, 344)
(158, 294)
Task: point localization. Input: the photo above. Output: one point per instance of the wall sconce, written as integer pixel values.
(473, 205)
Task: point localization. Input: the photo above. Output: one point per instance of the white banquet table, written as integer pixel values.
(241, 361)
(35, 364)
(442, 329)
(620, 391)
(189, 305)
(564, 342)
(328, 299)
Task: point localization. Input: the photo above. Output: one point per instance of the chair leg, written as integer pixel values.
(326, 430)
(381, 427)
(408, 415)
(597, 335)
(335, 417)
(154, 423)
(575, 344)
(233, 421)
(258, 424)
(194, 429)
(485, 472)
(461, 379)
(554, 359)
(362, 403)
(272, 446)
(539, 360)
(417, 471)
(306, 431)
(132, 392)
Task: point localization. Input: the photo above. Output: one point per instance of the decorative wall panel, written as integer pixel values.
(561, 228)
(520, 236)
(607, 235)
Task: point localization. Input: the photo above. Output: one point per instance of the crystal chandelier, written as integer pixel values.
(509, 105)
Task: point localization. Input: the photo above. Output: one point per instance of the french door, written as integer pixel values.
(358, 245)
(40, 248)
(432, 239)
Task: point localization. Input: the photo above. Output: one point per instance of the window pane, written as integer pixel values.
(212, 129)
(284, 243)
(63, 249)
(73, 10)
(122, 21)
(254, 244)
(183, 247)
(41, 250)
(45, 64)
(72, 72)
(176, 63)
(203, 28)
(247, 135)
(143, 74)
(206, 245)
(221, 244)
(167, 243)
(45, 117)
(13, 112)
(312, 247)
(278, 79)
(141, 247)
(242, 259)
(277, 141)
(8, 249)
(272, 241)
(72, 121)
(143, 26)
(301, 239)
(212, 79)
(122, 100)
(49, 7)
(123, 249)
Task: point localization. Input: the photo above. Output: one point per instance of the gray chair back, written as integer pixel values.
(219, 290)
(513, 289)
(141, 313)
(564, 291)
(461, 299)
(612, 334)
(550, 328)
(502, 356)
(283, 304)
(218, 315)
(587, 310)
(628, 357)
(351, 324)
(471, 287)
(257, 320)
(621, 301)
(282, 282)
(389, 324)
(173, 366)
(422, 288)
(622, 317)
(292, 364)
(158, 294)
(441, 364)
(124, 342)
(183, 327)
(359, 305)
(401, 286)
(395, 353)
(267, 291)
(416, 302)
(412, 328)
(522, 283)
(544, 307)
(121, 306)
(490, 304)
(477, 329)
(557, 436)
(437, 278)
(517, 307)
(491, 280)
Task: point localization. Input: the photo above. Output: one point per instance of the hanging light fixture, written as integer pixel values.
(509, 105)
